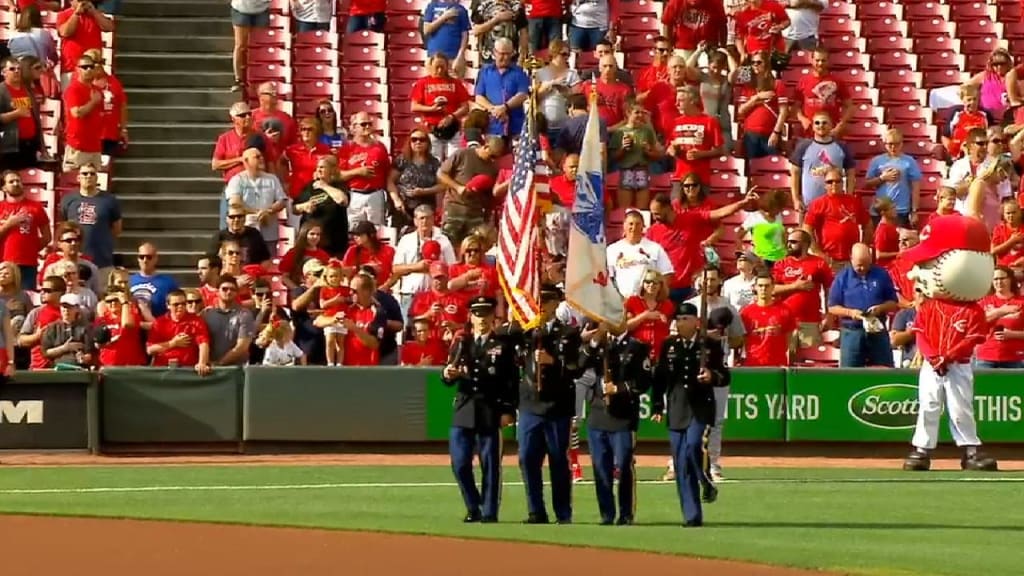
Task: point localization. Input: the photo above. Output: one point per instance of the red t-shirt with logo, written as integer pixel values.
(694, 21)
(804, 304)
(966, 121)
(753, 26)
(22, 99)
(682, 243)
(821, 93)
(357, 353)
(113, 102)
(209, 295)
(1009, 350)
(898, 270)
(414, 352)
(763, 117)
(887, 239)
(650, 76)
(47, 315)
(653, 332)
(768, 330)
(354, 155)
(87, 36)
(427, 90)
(611, 99)
(21, 245)
(302, 161)
(85, 133)
(125, 347)
(949, 329)
(485, 285)
(231, 145)
(164, 329)
(700, 132)
(382, 259)
(836, 220)
(453, 309)
(564, 189)
(1001, 233)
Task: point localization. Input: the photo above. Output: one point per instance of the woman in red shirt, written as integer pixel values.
(1004, 347)
(301, 158)
(307, 246)
(1008, 236)
(650, 313)
(124, 348)
(473, 276)
(759, 26)
(367, 249)
(763, 109)
(115, 106)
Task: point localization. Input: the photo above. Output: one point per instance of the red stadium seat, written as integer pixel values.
(637, 24)
(727, 163)
(940, 61)
(362, 55)
(727, 182)
(866, 112)
(317, 38)
(269, 37)
(400, 92)
(976, 28)
(885, 27)
(406, 6)
(847, 59)
(933, 44)
(918, 131)
(364, 38)
(903, 113)
(270, 55)
(837, 8)
(926, 11)
(318, 90)
(405, 38)
(770, 181)
(930, 27)
(897, 78)
(838, 42)
(402, 22)
(865, 148)
(863, 130)
(854, 77)
(374, 107)
(877, 10)
(939, 78)
(638, 41)
(306, 73)
(315, 55)
(960, 11)
(639, 7)
(407, 55)
(268, 73)
(768, 165)
(836, 26)
(888, 95)
(895, 60)
(363, 72)
(931, 166)
(887, 44)
(404, 123)
(37, 178)
(819, 356)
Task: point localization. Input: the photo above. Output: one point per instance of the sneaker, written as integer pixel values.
(238, 86)
(716, 475)
(669, 475)
(577, 473)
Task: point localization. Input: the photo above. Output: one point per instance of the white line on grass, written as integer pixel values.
(333, 486)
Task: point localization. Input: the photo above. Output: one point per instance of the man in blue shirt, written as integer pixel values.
(862, 297)
(148, 285)
(502, 89)
(896, 176)
(446, 30)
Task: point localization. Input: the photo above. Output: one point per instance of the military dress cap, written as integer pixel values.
(686, 309)
(550, 292)
(482, 305)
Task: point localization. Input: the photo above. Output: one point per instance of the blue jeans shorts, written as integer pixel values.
(585, 39)
(242, 20)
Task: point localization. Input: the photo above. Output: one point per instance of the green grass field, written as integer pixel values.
(858, 521)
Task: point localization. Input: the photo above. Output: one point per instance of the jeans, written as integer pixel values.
(301, 26)
(998, 365)
(28, 276)
(756, 146)
(859, 348)
(585, 39)
(542, 31)
(371, 22)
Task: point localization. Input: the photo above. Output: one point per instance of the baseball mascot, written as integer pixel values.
(952, 269)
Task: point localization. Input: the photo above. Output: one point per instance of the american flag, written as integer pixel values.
(518, 257)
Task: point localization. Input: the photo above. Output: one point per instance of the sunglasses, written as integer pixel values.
(12, 69)
(691, 185)
(363, 124)
(564, 54)
(757, 62)
(663, 50)
(146, 256)
(236, 216)
(233, 252)
(821, 122)
(190, 302)
(261, 293)
(472, 250)
(176, 304)
(832, 181)
(46, 290)
(417, 140)
(86, 66)
(650, 281)
(243, 115)
(268, 93)
(997, 141)
(228, 288)
(111, 301)
(86, 174)
(325, 111)
(71, 240)
(306, 129)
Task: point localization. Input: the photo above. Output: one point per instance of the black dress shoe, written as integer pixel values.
(710, 494)
(563, 521)
(536, 519)
(693, 524)
(471, 517)
(624, 521)
(607, 521)
(489, 519)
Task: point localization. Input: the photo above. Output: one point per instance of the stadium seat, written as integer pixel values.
(769, 181)
(895, 60)
(402, 23)
(362, 55)
(926, 11)
(727, 163)
(880, 44)
(727, 182)
(768, 165)
(835, 26)
(309, 73)
(847, 59)
(318, 90)
(960, 11)
(940, 61)
(270, 55)
(821, 356)
(364, 89)
(406, 6)
(896, 78)
(939, 78)
(885, 27)
(269, 37)
(364, 38)
(889, 95)
(867, 11)
(364, 72)
(316, 38)
(325, 55)
(405, 38)
(258, 73)
(407, 55)
(977, 28)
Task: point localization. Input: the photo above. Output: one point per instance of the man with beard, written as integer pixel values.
(24, 229)
(801, 280)
(254, 249)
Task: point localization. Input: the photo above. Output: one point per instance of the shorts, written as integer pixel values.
(112, 148)
(634, 179)
(809, 43)
(243, 20)
(807, 335)
(337, 330)
(372, 22)
(25, 157)
(585, 39)
(301, 26)
(542, 31)
(457, 226)
(75, 159)
(370, 206)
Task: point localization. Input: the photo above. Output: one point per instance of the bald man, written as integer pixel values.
(613, 95)
(862, 297)
(260, 194)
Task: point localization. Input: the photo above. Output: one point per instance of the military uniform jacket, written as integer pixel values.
(629, 367)
(675, 381)
(489, 389)
(557, 396)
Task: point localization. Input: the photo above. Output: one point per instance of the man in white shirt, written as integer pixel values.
(964, 169)
(260, 194)
(739, 290)
(409, 266)
(631, 257)
(804, 19)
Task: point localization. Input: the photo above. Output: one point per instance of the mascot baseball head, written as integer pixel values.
(953, 261)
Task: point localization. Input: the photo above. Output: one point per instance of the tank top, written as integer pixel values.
(993, 95)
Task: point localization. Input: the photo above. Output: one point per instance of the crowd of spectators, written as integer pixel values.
(335, 250)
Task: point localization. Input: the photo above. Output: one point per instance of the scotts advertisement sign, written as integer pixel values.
(886, 406)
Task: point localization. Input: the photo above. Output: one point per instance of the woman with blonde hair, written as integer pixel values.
(555, 82)
(12, 295)
(472, 276)
(992, 82)
(120, 278)
(983, 199)
(649, 312)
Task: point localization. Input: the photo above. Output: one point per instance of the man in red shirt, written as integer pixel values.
(837, 221)
(564, 185)
(208, 268)
(364, 164)
(227, 154)
(688, 23)
(820, 91)
(446, 310)
(612, 94)
(178, 338)
(364, 324)
(759, 27)
(40, 317)
(443, 101)
(83, 130)
(900, 267)
(115, 105)
(801, 279)
(269, 109)
(657, 71)
(424, 350)
(24, 229)
(695, 138)
(21, 141)
(768, 324)
(661, 100)
(81, 27)
(681, 234)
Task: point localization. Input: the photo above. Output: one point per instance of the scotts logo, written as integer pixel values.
(887, 406)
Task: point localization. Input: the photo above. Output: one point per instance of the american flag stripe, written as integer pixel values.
(518, 266)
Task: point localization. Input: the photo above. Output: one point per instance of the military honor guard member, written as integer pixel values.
(623, 367)
(551, 364)
(482, 366)
(690, 365)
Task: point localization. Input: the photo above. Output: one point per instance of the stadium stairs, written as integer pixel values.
(174, 59)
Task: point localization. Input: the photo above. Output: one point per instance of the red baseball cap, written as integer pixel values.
(946, 233)
(438, 270)
(431, 250)
(480, 183)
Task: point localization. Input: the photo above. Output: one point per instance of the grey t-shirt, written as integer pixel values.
(814, 158)
(58, 333)
(226, 327)
(96, 215)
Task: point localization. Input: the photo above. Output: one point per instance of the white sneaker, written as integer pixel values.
(716, 475)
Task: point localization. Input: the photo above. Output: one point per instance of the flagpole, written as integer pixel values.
(532, 64)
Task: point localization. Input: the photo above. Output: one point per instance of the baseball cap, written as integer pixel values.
(70, 300)
(438, 270)
(747, 255)
(720, 318)
(480, 183)
(271, 124)
(946, 233)
(239, 108)
(431, 250)
(364, 228)
(312, 266)
(268, 88)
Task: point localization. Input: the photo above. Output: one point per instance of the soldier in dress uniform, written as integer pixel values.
(686, 390)
(623, 368)
(482, 365)
(551, 361)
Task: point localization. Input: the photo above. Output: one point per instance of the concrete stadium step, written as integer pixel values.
(182, 28)
(196, 221)
(187, 63)
(173, 241)
(204, 132)
(159, 114)
(218, 97)
(169, 149)
(174, 8)
(169, 187)
(143, 167)
(182, 80)
(153, 205)
(210, 44)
